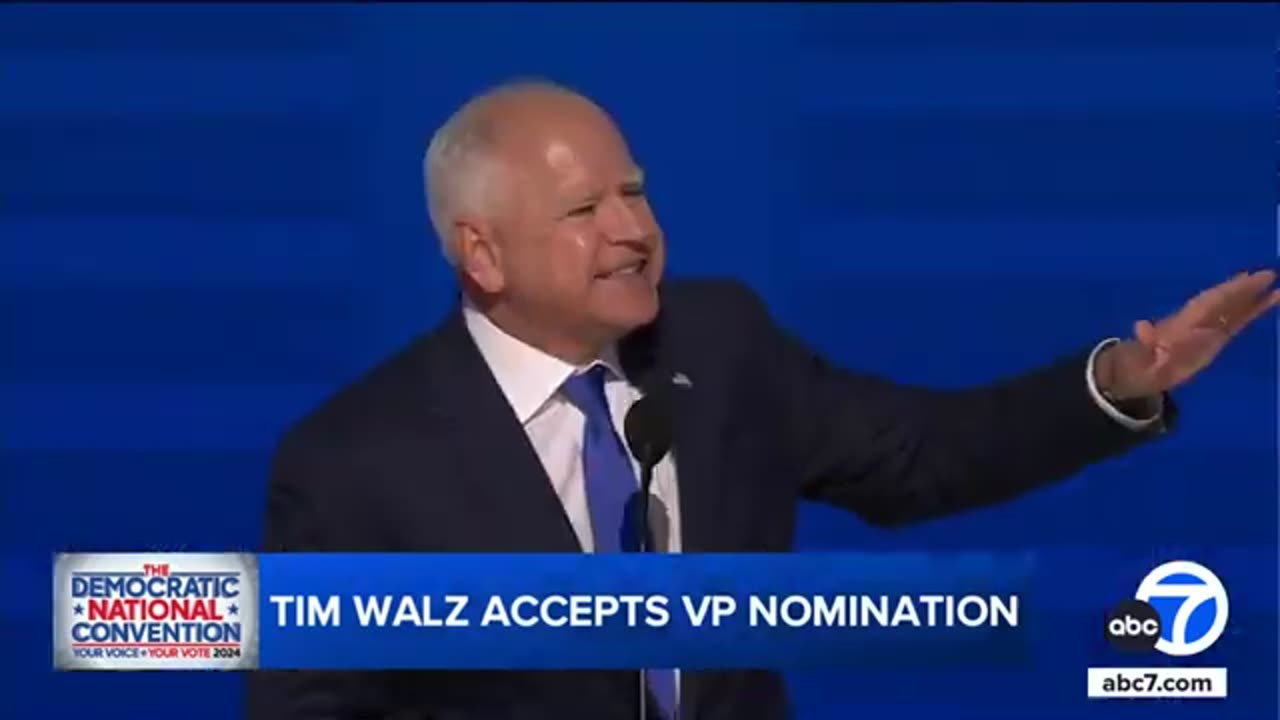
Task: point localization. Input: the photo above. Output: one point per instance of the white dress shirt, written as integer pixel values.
(531, 380)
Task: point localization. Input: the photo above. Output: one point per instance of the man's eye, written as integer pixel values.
(582, 210)
(633, 191)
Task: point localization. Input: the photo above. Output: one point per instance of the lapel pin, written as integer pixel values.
(682, 380)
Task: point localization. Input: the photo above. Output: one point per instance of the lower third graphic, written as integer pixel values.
(156, 611)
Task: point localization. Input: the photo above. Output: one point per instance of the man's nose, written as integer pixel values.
(619, 221)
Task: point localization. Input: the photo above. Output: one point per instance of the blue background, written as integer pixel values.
(212, 216)
(942, 643)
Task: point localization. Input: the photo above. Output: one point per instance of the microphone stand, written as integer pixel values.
(648, 433)
(644, 545)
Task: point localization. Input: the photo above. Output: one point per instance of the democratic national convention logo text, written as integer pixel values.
(156, 611)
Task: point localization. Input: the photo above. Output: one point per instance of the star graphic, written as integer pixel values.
(79, 609)
(233, 609)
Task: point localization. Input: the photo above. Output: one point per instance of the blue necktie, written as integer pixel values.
(611, 483)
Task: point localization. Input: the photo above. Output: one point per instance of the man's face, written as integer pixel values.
(579, 247)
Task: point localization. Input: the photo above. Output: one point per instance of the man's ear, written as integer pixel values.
(479, 255)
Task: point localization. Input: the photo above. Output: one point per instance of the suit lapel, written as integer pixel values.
(504, 481)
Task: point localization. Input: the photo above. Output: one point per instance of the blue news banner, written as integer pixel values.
(626, 610)
(238, 611)
(401, 611)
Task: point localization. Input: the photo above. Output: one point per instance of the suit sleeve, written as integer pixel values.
(896, 454)
(302, 491)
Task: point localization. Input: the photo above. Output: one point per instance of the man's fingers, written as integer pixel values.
(1255, 285)
(1206, 302)
(1248, 301)
(1223, 306)
(1251, 314)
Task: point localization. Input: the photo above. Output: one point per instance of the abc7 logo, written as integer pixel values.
(1194, 620)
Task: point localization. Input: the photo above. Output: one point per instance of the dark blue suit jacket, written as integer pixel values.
(424, 454)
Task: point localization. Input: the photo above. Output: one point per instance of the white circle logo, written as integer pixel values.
(1192, 604)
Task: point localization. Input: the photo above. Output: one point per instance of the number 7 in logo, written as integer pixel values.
(1188, 633)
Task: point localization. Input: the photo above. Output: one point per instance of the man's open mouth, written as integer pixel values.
(635, 267)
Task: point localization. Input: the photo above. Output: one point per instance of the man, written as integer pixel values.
(498, 431)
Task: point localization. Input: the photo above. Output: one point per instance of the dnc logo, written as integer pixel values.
(1180, 609)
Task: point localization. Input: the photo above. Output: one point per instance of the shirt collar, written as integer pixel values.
(527, 376)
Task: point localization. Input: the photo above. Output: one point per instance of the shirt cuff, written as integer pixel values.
(1108, 406)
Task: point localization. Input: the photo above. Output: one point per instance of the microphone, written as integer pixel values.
(648, 431)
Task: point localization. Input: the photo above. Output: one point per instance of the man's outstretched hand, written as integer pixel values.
(1165, 354)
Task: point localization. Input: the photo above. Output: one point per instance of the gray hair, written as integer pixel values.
(459, 169)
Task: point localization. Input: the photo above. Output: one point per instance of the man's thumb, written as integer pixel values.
(1145, 332)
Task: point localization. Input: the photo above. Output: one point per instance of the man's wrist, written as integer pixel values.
(1133, 412)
